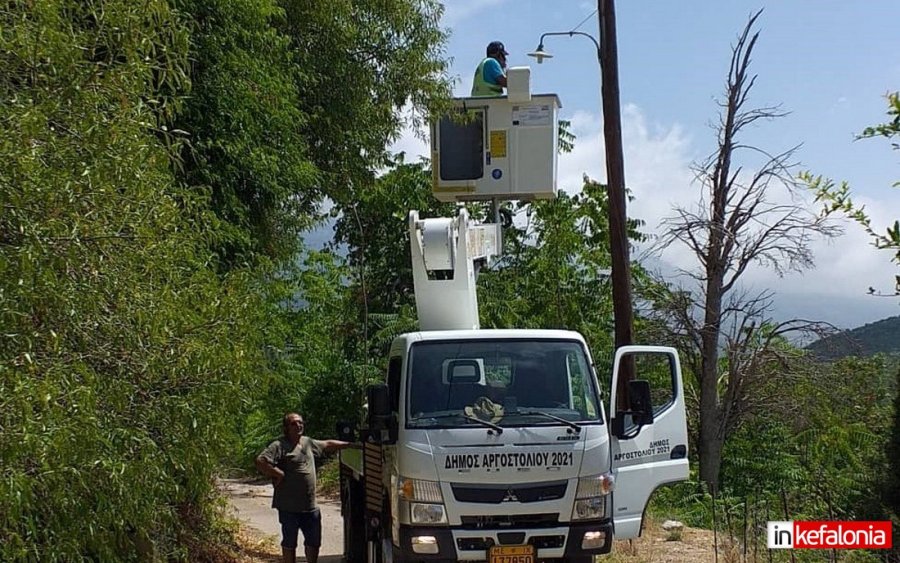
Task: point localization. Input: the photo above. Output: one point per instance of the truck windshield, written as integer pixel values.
(503, 381)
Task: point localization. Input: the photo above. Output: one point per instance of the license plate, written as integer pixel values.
(511, 554)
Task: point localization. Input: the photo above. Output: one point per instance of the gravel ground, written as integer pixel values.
(251, 503)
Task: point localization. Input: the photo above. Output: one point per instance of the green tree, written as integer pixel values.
(121, 349)
(892, 495)
(554, 264)
(243, 123)
(375, 230)
(158, 166)
(295, 101)
(359, 64)
(842, 423)
(314, 365)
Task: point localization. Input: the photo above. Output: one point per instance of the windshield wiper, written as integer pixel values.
(491, 425)
(568, 423)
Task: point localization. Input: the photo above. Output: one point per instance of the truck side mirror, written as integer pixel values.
(382, 425)
(379, 401)
(393, 383)
(640, 410)
(639, 399)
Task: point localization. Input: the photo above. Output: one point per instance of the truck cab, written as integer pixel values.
(495, 445)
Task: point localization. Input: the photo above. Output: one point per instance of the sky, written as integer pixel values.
(828, 63)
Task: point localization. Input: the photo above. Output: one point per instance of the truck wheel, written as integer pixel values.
(387, 540)
(352, 510)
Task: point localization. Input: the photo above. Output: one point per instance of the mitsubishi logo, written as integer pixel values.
(510, 496)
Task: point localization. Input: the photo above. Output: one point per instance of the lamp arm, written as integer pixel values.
(570, 34)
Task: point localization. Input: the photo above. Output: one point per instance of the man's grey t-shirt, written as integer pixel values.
(297, 491)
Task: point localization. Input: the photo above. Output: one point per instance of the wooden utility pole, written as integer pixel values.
(615, 178)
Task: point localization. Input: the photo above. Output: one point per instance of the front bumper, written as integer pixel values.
(467, 544)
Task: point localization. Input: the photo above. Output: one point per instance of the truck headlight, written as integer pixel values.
(419, 490)
(591, 496)
(589, 508)
(422, 513)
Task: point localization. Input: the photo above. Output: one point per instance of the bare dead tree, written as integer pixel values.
(748, 214)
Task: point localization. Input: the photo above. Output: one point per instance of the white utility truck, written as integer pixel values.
(495, 445)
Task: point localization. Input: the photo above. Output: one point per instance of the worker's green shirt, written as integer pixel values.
(297, 491)
(485, 80)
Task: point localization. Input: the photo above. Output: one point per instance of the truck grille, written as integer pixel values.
(483, 522)
(492, 494)
(539, 542)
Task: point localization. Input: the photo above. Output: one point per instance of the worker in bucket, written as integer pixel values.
(490, 76)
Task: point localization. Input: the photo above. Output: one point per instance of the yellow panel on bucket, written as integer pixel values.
(498, 143)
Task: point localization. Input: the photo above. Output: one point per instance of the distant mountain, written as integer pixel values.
(879, 337)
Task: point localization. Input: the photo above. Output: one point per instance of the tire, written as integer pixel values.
(387, 540)
(353, 512)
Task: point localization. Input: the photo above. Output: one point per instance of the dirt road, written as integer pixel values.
(251, 503)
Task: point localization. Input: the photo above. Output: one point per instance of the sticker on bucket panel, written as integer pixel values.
(531, 116)
(498, 143)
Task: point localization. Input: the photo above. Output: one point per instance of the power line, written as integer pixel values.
(584, 20)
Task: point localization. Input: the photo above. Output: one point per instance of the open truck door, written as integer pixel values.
(648, 431)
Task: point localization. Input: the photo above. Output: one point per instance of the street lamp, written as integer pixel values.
(540, 54)
(607, 57)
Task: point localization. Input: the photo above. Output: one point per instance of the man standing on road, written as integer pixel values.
(290, 462)
(490, 76)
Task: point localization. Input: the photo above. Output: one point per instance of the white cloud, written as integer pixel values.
(657, 171)
(657, 163)
(836, 290)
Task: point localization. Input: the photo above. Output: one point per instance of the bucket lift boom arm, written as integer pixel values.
(446, 256)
